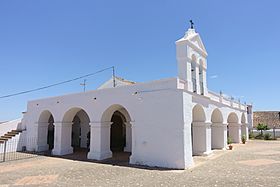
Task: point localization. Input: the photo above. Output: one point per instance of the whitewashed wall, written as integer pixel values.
(9, 126)
(155, 110)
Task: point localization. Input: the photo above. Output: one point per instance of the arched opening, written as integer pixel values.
(193, 69)
(243, 118)
(120, 130)
(234, 129)
(217, 116)
(244, 127)
(218, 130)
(76, 130)
(50, 139)
(198, 131)
(80, 131)
(45, 131)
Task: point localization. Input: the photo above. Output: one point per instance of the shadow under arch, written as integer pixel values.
(234, 128)
(108, 113)
(244, 127)
(79, 135)
(45, 131)
(71, 112)
(217, 116)
(198, 133)
(198, 113)
(232, 118)
(218, 130)
(120, 131)
(243, 118)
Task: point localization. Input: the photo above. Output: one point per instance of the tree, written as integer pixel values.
(262, 127)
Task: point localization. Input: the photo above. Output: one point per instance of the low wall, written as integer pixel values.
(10, 125)
(277, 132)
(13, 145)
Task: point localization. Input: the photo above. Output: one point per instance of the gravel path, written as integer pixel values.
(255, 164)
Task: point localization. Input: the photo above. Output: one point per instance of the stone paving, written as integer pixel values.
(255, 164)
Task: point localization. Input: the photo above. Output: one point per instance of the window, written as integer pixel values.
(194, 76)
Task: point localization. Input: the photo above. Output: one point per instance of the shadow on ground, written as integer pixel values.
(118, 159)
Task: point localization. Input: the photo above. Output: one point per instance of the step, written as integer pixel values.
(4, 139)
(17, 131)
(12, 133)
(8, 134)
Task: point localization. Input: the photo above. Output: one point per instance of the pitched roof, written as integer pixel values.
(118, 82)
(124, 80)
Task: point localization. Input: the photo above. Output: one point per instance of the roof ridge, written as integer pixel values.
(124, 80)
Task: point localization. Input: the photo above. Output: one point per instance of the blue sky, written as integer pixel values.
(43, 42)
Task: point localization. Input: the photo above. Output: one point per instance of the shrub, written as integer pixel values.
(243, 138)
(267, 136)
(229, 140)
(262, 127)
(251, 135)
(259, 136)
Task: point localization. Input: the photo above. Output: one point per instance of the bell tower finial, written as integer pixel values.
(192, 61)
(192, 24)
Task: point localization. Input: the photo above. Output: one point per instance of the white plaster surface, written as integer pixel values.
(162, 127)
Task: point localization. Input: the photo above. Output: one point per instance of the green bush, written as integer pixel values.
(259, 136)
(229, 140)
(243, 138)
(262, 127)
(251, 135)
(267, 136)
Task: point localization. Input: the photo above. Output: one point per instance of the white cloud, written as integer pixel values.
(214, 76)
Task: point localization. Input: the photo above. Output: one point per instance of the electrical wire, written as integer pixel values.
(56, 84)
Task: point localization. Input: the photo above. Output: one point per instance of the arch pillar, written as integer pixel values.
(42, 135)
(62, 138)
(201, 138)
(204, 88)
(128, 138)
(84, 133)
(219, 136)
(100, 140)
(133, 159)
(245, 130)
(235, 132)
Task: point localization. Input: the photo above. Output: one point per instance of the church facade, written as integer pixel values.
(161, 123)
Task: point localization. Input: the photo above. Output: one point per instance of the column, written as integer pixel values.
(133, 157)
(219, 135)
(128, 138)
(41, 129)
(198, 90)
(62, 138)
(245, 130)
(100, 140)
(235, 132)
(189, 75)
(205, 89)
(201, 138)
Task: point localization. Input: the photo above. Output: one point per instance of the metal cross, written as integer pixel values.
(192, 24)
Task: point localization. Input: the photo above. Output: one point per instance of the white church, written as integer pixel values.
(161, 123)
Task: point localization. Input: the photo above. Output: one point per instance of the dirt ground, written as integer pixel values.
(256, 163)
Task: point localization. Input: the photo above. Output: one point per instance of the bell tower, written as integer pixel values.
(192, 61)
